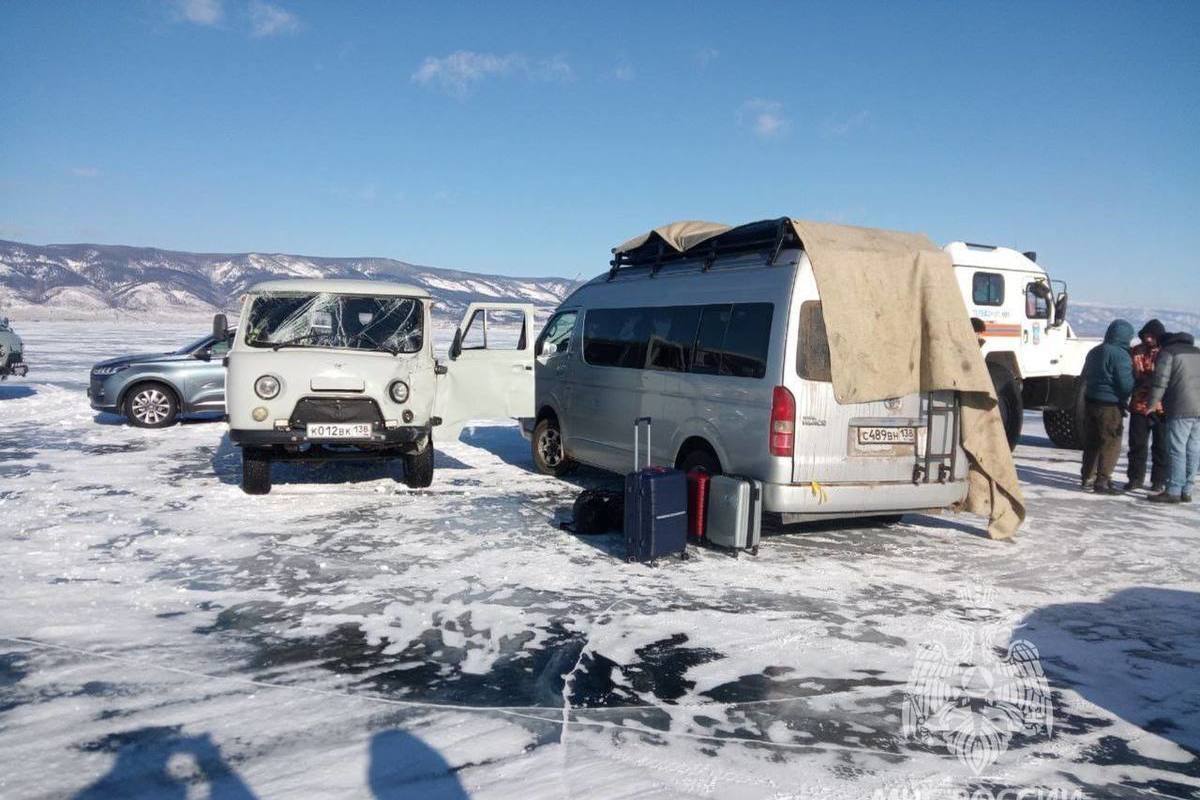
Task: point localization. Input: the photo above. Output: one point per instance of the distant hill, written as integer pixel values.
(88, 280)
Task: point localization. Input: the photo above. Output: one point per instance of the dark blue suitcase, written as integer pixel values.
(655, 507)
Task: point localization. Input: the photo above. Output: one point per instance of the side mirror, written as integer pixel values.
(204, 355)
(1060, 309)
(456, 345)
(220, 326)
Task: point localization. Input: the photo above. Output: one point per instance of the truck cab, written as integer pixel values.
(1032, 353)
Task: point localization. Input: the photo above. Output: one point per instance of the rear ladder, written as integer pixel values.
(940, 458)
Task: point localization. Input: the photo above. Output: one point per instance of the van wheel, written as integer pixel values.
(1064, 426)
(1008, 392)
(256, 471)
(418, 467)
(700, 457)
(549, 453)
(151, 405)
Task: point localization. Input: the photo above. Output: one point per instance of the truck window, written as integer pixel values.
(987, 289)
(812, 355)
(1037, 303)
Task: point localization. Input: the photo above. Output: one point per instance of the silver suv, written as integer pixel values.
(154, 390)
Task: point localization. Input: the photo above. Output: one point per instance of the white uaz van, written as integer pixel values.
(724, 347)
(345, 369)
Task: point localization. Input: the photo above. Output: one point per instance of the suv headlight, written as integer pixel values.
(266, 387)
(399, 391)
(104, 371)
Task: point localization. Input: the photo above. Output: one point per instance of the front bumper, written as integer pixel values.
(100, 399)
(817, 501)
(292, 438)
(14, 365)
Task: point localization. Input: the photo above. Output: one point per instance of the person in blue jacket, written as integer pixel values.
(1108, 376)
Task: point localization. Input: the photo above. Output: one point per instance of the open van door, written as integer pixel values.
(489, 372)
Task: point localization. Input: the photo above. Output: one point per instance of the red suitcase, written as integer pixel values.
(697, 502)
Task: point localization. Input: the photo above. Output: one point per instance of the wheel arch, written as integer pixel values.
(694, 442)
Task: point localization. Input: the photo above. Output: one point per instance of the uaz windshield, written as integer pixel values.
(390, 324)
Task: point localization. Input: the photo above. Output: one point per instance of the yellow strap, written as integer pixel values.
(818, 492)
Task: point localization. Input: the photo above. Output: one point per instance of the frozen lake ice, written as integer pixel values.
(163, 634)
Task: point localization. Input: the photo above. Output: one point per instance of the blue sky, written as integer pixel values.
(528, 138)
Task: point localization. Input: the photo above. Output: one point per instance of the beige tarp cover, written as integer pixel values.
(897, 325)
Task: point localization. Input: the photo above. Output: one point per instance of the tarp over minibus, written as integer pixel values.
(897, 325)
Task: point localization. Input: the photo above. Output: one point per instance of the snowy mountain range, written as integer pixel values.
(87, 280)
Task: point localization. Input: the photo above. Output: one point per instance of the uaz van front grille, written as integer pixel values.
(334, 409)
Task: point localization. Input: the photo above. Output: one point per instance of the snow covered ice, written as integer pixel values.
(163, 634)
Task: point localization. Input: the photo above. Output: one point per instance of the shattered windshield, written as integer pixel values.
(320, 319)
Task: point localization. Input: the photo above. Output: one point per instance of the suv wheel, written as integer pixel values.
(418, 467)
(151, 405)
(256, 471)
(549, 455)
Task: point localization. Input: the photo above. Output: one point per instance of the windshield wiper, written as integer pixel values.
(293, 341)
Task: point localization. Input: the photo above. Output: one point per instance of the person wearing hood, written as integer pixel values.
(1108, 379)
(1176, 392)
(1147, 431)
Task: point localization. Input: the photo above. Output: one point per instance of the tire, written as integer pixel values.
(151, 405)
(1012, 409)
(1064, 426)
(549, 454)
(418, 467)
(700, 457)
(256, 471)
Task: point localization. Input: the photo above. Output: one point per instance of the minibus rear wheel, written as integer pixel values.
(700, 456)
(549, 454)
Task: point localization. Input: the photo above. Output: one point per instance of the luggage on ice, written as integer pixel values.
(595, 511)
(655, 507)
(734, 512)
(697, 479)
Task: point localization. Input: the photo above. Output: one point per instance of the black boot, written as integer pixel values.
(1104, 486)
(1164, 497)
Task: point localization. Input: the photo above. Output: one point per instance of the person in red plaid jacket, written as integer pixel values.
(1147, 432)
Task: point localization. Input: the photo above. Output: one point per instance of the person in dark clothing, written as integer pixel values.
(1147, 431)
(1108, 376)
(1176, 392)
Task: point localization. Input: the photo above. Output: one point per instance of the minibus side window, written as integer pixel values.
(672, 336)
(710, 339)
(556, 338)
(747, 340)
(812, 356)
(614, 337)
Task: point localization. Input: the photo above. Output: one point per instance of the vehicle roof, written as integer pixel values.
(986, 256)
(338, 286)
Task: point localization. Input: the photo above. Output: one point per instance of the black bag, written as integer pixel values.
(595, 511)
(656, 519)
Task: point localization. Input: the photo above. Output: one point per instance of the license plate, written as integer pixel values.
(887, 435)
(332, 430)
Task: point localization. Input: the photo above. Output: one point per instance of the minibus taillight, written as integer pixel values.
(783, 422)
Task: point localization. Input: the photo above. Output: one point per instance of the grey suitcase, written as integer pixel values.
(734, 513)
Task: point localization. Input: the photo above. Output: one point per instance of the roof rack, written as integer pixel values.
(769, 235)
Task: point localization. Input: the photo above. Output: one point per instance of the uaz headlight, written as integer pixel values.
(266, 387)
(399, 391)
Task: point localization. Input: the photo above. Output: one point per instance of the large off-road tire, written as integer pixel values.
(151, 405)
(418, 467)
(1008, 392)
(549, 452)
(256, 471)
(1064, 426)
